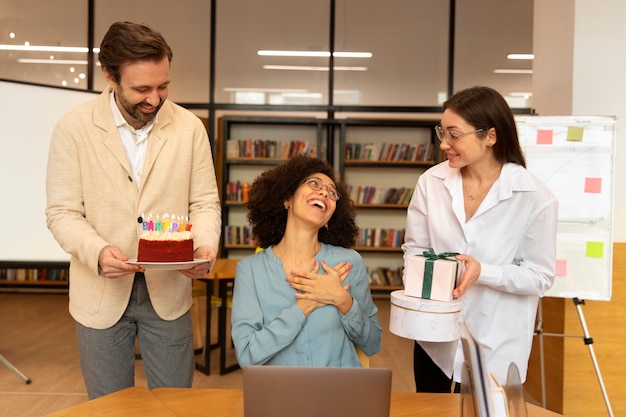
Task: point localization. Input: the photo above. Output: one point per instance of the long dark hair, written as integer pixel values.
(484, 107)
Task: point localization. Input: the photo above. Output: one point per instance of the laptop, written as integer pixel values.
(293, 391)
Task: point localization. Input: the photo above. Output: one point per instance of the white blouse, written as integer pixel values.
(513, 236)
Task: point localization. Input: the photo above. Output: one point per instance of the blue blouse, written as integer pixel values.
(268, 327)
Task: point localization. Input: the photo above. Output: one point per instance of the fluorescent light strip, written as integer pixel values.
(525, 94)
(520, 56)
(52, 61)
(322, 54)
(266, 90)
(43, 48)
(310, 68)
(512, 71)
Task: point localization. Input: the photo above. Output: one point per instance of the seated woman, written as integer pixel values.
(305, 299)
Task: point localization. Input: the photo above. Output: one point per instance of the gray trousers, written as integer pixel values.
(107, 357)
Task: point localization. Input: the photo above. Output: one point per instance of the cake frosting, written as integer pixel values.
(165, 246)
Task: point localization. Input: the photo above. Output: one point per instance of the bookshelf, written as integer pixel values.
(248, 145)
(18, 276)
(380, 162)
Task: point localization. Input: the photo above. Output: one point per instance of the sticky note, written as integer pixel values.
(544, 137)
(561, 267)
(593, 185)
(595, 250)
(575, 133)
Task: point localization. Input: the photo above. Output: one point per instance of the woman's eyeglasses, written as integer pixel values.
(452, 137)
(316, 184)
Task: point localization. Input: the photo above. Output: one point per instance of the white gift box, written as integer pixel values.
(431, 276)
(424, 320)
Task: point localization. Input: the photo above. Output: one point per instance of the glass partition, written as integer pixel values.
(487, 31)
(185, 25)
(35, 48)
(408, 43)
(262, 48)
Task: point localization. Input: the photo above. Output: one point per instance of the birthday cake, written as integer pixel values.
(167, 241)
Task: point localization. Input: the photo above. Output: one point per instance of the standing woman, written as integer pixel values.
(305, 299)
(485, 205)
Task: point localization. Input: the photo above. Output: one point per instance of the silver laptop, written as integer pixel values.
(291, 391)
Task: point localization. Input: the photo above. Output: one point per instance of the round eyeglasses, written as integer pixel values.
(316, 184)
(452, 137)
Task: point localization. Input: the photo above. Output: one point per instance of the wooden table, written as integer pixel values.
(218, 280)
(191, 402)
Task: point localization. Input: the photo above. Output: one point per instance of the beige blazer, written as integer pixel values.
(92, 202)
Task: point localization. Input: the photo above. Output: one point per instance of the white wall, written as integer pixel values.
(599, 87)
(578, 70)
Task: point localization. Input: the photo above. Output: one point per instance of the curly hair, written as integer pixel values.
(268, 192)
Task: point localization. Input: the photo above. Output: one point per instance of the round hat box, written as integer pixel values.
(424, 320)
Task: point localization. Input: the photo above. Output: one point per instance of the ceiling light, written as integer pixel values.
(52, 61)
(267, 90)
(512, 71)
(311, 68)
(520, 56)
(43, 48)
(322, 54)
(525, 94)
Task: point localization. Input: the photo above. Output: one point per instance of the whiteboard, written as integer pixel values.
(27, 116)
(574, 157)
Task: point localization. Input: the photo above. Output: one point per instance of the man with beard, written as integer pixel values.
(127, 154)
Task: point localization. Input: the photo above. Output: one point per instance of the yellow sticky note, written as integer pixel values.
(595, 250)
(575, 133)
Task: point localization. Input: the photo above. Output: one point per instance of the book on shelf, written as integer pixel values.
(264, 148)
(385, 276)
(238, 235)
(380, 238)
(237, 191)
(26, 275)
(390, 152)
(379, 195)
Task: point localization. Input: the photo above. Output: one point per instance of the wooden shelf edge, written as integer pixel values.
(381, 206)
(368, 162)
(377, 249)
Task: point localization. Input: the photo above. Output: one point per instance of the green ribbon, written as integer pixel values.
(429, 267)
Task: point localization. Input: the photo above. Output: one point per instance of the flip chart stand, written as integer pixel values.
(14, 369)
(588, 340)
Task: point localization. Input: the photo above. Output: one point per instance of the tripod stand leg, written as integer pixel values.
(14, 369)
(589, 342)
(539, 333)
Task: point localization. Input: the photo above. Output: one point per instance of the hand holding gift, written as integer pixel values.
(434, 276)
(471, 274)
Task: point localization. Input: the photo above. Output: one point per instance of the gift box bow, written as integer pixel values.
(429, 266)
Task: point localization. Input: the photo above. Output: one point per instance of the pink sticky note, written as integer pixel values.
(561, 267)
(544, 137)
(593, 185)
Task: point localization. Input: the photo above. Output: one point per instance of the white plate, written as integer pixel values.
(167, 266)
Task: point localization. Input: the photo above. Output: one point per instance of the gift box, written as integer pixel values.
(432, 276)
(424, 320)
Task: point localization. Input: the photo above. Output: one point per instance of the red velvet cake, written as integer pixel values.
(159, 246)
